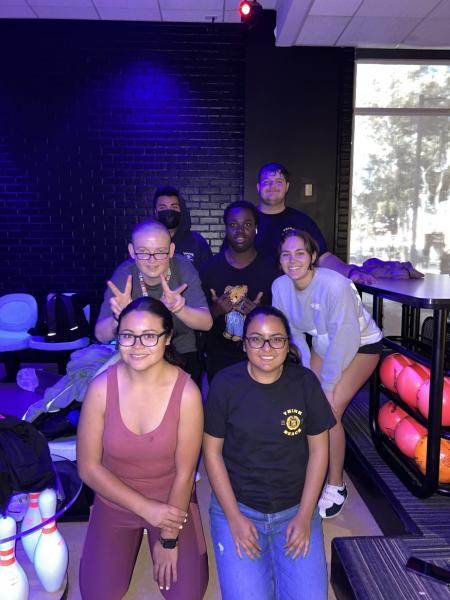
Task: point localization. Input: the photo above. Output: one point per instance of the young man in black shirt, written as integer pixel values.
(235, 281)
(275, 217)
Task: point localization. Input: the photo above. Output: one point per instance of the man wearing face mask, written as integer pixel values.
(170, 210)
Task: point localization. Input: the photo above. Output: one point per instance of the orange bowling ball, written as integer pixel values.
(409, 381)
(420, 456)
(389, 416)
(423, 398)
(390, 369)
(407, 435)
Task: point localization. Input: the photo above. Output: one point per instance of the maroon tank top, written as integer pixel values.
(145, 462)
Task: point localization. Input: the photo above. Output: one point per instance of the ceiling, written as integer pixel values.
(361, 23)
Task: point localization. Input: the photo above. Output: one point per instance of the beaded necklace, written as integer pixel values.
(143, 285)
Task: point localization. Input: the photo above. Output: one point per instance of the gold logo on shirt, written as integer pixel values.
(292, 421)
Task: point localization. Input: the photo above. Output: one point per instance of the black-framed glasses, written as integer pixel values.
(257, 341)
(147, 339)
(159, 255)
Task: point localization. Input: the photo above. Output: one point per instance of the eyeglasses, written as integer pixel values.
(147, 339)
(257, 341)
(160, 255)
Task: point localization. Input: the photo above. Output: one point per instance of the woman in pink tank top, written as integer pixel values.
(138, 444)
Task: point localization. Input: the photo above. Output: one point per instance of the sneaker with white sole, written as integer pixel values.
(332, 500)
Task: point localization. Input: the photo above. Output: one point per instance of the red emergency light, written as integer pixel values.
(249, 10)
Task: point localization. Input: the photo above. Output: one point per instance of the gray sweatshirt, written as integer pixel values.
(331, 311)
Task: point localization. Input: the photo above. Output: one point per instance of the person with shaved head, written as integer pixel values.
(154, 270)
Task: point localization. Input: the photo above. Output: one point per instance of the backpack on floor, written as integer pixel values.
(25, 462)
(61, 423)
(65, 318)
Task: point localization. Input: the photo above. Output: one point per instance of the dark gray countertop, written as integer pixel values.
(433, 291)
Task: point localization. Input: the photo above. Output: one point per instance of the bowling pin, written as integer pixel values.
(13, 580)
(51, 555)
(31, 519)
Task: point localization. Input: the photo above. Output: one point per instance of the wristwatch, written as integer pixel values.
(168, 543)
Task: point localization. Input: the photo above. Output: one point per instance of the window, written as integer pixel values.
(401, 164)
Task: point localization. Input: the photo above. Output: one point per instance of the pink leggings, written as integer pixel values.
(111, 547)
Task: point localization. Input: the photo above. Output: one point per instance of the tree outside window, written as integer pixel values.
(401, 164)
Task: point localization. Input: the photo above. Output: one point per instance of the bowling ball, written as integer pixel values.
(407, 435)
(389, 416)
(420, 456)
(390, 369)
(409, 381)
(423, 398)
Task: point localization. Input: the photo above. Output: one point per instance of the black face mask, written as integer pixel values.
(169, 218)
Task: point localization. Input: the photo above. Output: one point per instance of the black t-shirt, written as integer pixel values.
(270, 228)
(264, 427)
(217, 274)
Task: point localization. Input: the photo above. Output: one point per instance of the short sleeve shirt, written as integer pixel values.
(182, 271)
(265, 429)
(217, 274)
(271, 227)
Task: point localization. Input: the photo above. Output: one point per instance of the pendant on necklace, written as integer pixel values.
(143, 285)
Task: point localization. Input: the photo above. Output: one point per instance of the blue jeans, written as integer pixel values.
(274, 576)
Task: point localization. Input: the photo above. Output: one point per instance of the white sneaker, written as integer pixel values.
(332, 500)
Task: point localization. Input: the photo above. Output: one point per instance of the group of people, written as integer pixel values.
(271, 427)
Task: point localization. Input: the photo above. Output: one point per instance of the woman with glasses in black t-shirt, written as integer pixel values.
(266, 454)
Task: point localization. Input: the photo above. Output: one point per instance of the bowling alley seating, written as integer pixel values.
(18, 314)
(58, 352)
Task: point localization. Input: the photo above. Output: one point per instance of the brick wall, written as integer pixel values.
(93, 116)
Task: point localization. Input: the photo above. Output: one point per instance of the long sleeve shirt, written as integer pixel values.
(331, 311)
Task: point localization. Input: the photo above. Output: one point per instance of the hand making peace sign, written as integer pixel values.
(172, 299)
(120, 299)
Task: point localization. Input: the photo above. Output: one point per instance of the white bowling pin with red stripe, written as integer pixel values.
(31, 519)
(13, 580)
(51, 556)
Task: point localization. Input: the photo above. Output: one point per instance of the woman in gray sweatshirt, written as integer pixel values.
(346, 342)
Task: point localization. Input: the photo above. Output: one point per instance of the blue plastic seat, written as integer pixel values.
(18, 314)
